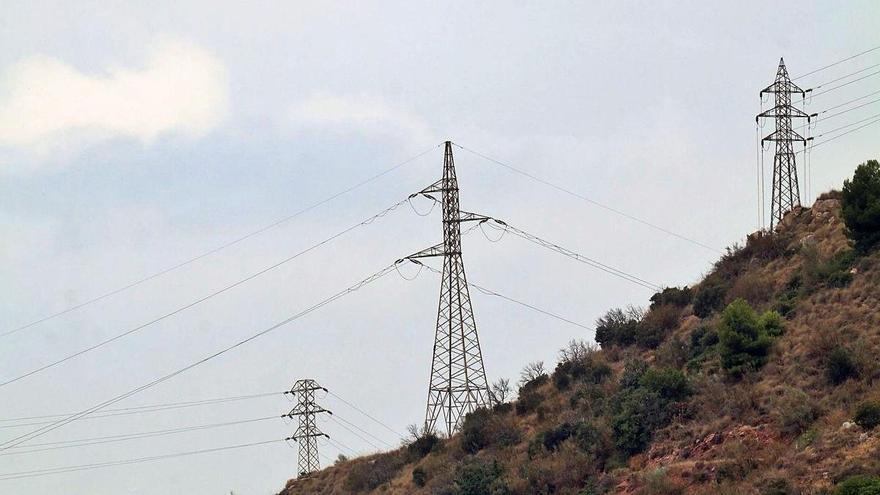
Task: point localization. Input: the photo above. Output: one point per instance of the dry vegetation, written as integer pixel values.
(668, 407)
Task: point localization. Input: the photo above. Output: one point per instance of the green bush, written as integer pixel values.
(618, 327)
(745, 338)
(676, 296)
(421, 446)
(710, 297)
(480, 477)
(861, 206)
(643, 405)
(868, 414)
(858, 485)
(840, 366)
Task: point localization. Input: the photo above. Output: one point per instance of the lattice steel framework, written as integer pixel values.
(458, 379)
(308, 432)
(786, 191)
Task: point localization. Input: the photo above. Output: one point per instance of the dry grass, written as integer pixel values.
(782, 425)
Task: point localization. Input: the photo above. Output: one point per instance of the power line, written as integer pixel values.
(332, 418)
(123, 411)
(846, 76)
(591, 201)
(838, 62)
(490, 292)
(842, 134)
(83, 442)
(185, 307)
(85, 467)
(349, 404)
(848, 125)
(505, 227)
(336, 417)
(60, 423)
(839, 113)
(222, 246)
(820, 93)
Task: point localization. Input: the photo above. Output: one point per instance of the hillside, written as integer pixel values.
(758, 380)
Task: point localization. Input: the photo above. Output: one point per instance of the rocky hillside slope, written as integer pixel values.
(761, 379)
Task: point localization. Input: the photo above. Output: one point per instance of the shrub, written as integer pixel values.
(833, 273)
(753, 287)
(475, 431)
(745, 338)
(858, 485)
(618, 327)
(675, 296)
(561, 380)
(419, 476)
(642, 405)
(420, 443)
(710, 297)
(861, 206)
(553, 437)
(840, 366)
(532, 376)
(595, 442)
(480, 477)
(794, 411)
(868, 414)
(369, 475)
(528, 402)
(654, 326)
(669, 384)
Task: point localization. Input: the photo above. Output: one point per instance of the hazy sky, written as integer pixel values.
(133, 137)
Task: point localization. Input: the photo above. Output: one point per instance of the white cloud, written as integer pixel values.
(45, 103)
(362, 114)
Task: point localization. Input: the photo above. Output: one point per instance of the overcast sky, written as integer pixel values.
(137, 136)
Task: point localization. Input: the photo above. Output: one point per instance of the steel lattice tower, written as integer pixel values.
(786, 192)
(308, 432)
(458, 379)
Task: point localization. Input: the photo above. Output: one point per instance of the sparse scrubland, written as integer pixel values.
(761, 379)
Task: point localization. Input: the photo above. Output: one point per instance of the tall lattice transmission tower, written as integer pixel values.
(307, 433)
(458, 379)
(786, 191)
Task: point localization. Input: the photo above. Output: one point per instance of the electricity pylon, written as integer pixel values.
(308, 432)
(458, 380)
(786, 191)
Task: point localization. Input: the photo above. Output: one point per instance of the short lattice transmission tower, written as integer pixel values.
(786, 191)
(308, 432)
(458, 379)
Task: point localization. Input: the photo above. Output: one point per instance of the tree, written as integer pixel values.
(861, 206)
(500, 391)
(745, 338)
(531, 372)
(618, 327)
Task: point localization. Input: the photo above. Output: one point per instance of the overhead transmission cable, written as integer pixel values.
(490, 292)
(341, 420)
(202, 299)
(356, 408)
(124, 411)
(589, 200)
(820, 143)
(837, 62)
(159, 407)
(222, 246)
(84, 442)
(505, 227)
(97, 407)
(84, 467)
